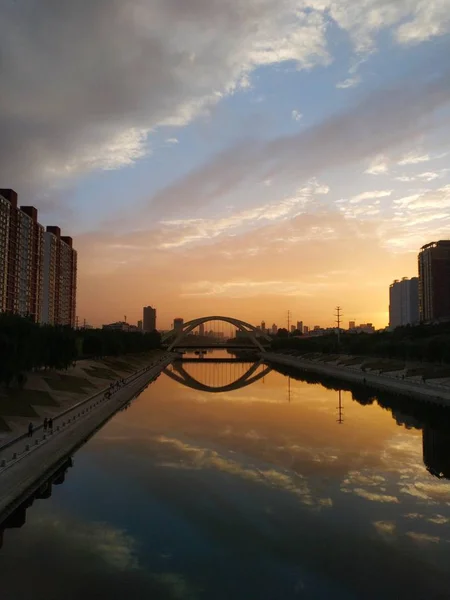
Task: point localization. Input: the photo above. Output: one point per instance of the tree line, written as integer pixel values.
(27, 346)
(427, 343)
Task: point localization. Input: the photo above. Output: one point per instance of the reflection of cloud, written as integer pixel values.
(435, 519)
(422, 537)
(428, 491)
(358, 477)
(203, 458)
(385, 527)
(113, 546)
(375, 497)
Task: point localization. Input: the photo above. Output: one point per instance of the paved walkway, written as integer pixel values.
(25, 461)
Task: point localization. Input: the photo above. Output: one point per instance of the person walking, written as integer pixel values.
(45, 424)
(30, 430)
(50, 425)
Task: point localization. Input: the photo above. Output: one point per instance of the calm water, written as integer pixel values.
(256, 493)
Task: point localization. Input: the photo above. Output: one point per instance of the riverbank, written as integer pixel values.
(394, 381)
(46, 393)
(25, 463)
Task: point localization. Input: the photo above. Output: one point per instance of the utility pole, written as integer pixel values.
(338, 315)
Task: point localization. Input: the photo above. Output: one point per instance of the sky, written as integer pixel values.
(231, 157)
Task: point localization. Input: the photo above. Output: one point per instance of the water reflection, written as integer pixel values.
(433, 420)
(19, 517)
(264, 491)
(225, 377)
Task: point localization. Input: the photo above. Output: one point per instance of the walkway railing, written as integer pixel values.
(62, 420)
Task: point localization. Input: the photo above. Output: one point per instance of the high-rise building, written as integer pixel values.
(38, 269)
(305, 329)
(292, 328)
(434, 281)
(351, 324)
(139, 325)
(274, 329)
(21, 257)
(149, 319)
(263, 327)
(300, 326)
(201, 329)
(404, 302)
(60, 279)
(178, 324)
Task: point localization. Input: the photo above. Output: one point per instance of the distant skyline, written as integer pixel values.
(240, 157)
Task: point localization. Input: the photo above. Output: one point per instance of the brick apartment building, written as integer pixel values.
(27, 287)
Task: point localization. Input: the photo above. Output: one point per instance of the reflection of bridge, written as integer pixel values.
(248, 335)
(217, 382)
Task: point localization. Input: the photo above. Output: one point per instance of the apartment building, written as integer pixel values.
(38, 268)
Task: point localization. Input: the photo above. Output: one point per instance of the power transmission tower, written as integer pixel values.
(338, 315)
(289, 321)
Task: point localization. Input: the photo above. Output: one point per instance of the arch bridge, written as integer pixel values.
(174, 338)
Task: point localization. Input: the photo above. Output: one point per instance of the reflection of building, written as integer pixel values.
(436, 452)
(149, 319)
(178, 324)
(434, 281)
(404, 302)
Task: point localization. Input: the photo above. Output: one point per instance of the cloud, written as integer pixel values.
(348, 83)
(172, 140)
(98, 94)
(378, 166)
(370, 196)
(414, 159)
(85, 83)
(296, 115)
(428, 176)
(182, 232)
(430, 19)
(379, 122)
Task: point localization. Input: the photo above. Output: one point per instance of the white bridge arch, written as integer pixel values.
(249, 330)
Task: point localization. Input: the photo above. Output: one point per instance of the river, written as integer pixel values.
(280, 489)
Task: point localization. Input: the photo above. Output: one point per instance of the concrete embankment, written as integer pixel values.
(27, 462)
(428, 392)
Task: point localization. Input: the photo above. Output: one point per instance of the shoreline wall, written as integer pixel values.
(434, 393)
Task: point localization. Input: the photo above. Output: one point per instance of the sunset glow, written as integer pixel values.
(232, 157)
